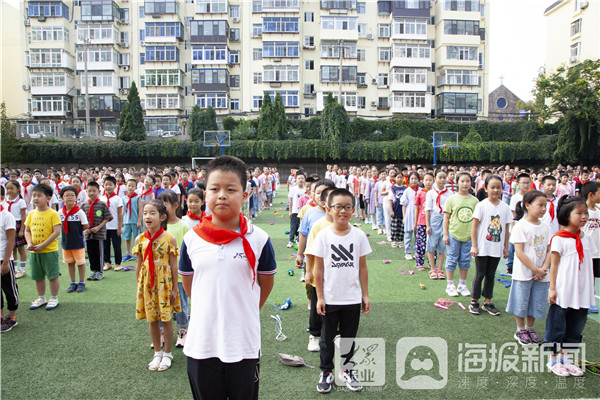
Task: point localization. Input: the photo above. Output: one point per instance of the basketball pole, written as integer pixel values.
(434, 151)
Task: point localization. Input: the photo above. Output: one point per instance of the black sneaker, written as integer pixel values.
(325, 380)
(489, 307)
(522, 337)
(8, 324)
(474, 308)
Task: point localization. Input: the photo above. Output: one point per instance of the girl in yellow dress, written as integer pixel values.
(157, 295)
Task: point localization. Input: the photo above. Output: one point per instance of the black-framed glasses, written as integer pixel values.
(340, 207)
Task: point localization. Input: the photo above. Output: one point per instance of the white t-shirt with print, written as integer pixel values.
(592, 228)
(341, 255)
(492, 223)
(294, 195)
(7, 221)
(115, 203)
(535, 239)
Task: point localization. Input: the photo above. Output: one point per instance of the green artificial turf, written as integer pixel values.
(92, 346)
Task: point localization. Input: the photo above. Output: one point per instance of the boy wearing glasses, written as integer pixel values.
(341, 282)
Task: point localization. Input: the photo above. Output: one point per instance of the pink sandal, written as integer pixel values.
(441, 274)
(433, 274)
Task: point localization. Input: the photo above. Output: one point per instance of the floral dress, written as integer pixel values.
(153, 303)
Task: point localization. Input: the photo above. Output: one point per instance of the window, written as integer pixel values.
(280, 49)
(331, 49)
(362, 30)
(309, 17)
(339, 23)
(214, 100)
(49, 79)
(98, 80)
(123, 59)
(384, 54)
(234, 34)
(256, 102)
(461, 5)
(142, 15)
(164, 77)
(457, 103)
(46, 58)
(459, 77)
(99, 11)
(208, 76)
(338, 4)
(211, 6)
(162, 53)
(257, 78)
(289, 97)
(308, 112)
(154, 7)
(209, 53)
(361, 7)
(279, 4)
(234, 104)
(461, 53)
(47, 9)
(361, 54)
(309, 64)
(309, 88)
(280, 73)
(576, 27)
(382, 103)
(207, 28)
(501, 102)
(163, 29)
(48, 33)
(100, 102)
(384, 30)
(382, 80)
(98, 54)
(384, 7)
(50, 104)
(461, 27)
(234, 11)
(256, 30)
(575, 49)
(361, 101)
(330, 74)
(234, 57)
(161, 126)
(97, 32)
(408, 100)
(280, 25)
(409, 75)
(234, 80)
(410, 27)
(257, 54)
(412, 50)
(309, 41)
(361, 79)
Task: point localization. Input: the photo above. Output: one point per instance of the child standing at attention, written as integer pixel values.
(408, 212)
(294, 195)
(10, 288)
(458, 218)
(571, 284)
(74, 223)
(195, 201)
(548, 186)
(227, 267)
(489, 242)
(420, 221)
(434, 218)
(132, 220)
(341, 281)
(156, 272)
(528, 296)
(15, 205)
(42, 227)
(396, 225)
(98, 216)
(115, 225)
(591, 194)
(178, 229)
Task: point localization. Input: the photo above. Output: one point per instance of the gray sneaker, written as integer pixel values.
(99, 276)
(351, 380)
(325, 380)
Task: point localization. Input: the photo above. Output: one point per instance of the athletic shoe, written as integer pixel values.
(37, 303)
(99, 275)
(571, 368)
(408, 256)
(489, 307)
(462, 289)
(593, 309)
(92, 276)
(20, 274)
(72, 287)
(451, 290)
(474, 308)
(289, 245)
(302, 279)
(558, 368)
(522, 336)
(351, 380)
(128, 257)
(107, 266)
(8, 324)
(325, 380)
(535, 339)
(118, 267)
(80, 287)
(314, 343)
(52, 304)
(181, 338)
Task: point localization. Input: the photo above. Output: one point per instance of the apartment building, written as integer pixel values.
(573, 32)
(381, 59)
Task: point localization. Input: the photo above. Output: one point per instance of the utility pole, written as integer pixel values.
(86, 42)
(341, 45)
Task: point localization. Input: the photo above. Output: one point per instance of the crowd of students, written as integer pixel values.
(446, 217)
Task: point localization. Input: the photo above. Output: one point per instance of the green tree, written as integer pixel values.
(335, 125)
(278, 118)
(230, 123)
(131, 119)
(573, 94)
(202, 120)
(265, 119)
(124, 124)
(194, 122)
(8, 134)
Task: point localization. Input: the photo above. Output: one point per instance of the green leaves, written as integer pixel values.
(131, 119)
(202, 120)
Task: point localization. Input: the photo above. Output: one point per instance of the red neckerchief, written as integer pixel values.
(580, 181)
(73, 211)
(147, 192)
(25, 187)
(184, 184)
(578, 245)
(149, 254)
(312, 203)
(79, 191)
(209, 232)
(173, 185)
(509, 182)
(195, 217)
(438, 199)
(10, 203)
(109, 197)
(452, 185)
(91, 211)
(551, 209)
(1, 207)
(129, 197)
(416, 190)
(154, 191)
(118, 188)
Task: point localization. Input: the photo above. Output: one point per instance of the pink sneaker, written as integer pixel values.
(558, 369)
(572, 369)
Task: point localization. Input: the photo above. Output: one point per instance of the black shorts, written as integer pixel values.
(212, 378)
(361, 202)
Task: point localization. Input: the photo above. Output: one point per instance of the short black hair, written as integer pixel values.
(132, 180)
(490, 177)
(228, 164)
(300, 172)
(110, 179)
(196, 192)
(93, 184)
(43, 188)
(566, 205)
(67, 189)
(339, 192)
(324, 182)
(589, 187)
(523, 175)
(325, 193)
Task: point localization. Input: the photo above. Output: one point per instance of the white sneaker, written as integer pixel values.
(451, 290)
(181, 338)
(20, 274)
(289, 245)
(462, 289)
(314, 343)
(408, 256)
(52, 304)
(37, 303)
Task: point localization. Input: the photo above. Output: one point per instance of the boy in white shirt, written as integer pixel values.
(114, 226)
(294, 195)
(7, 268)
(341, 282)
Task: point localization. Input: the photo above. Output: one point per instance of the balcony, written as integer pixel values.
(51, 106)
(278, 6)
(404, 105)
(168, 32)
(215, 33)
(54, 84)
(100, 106)
(99, 59)
(97, 34)
(95, 84)
(399, 9)
(407, 87)
(50, 58)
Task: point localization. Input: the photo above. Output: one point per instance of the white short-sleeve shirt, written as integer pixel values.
(492, 224)
(535, 239)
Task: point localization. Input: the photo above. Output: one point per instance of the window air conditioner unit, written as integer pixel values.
(573, 59)
(27, 23)
(143, 43)
(124, 44)
(126, 67)
(25, 87)
(370, 36)
(124, 90)
(374, 81)
(373, 104)
(236, 19)
(41, 18)
(584, 3)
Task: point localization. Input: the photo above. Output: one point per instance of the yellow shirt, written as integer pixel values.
(41, 225)
(304, 209)
(314, 230)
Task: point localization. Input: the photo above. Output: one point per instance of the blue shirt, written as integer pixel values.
(311, 216)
